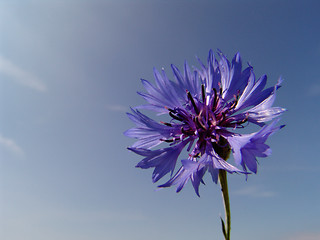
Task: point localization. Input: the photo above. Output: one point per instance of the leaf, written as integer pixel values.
(223, 228)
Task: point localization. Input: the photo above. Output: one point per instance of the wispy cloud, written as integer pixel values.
(89, 216)
(10, 145)
(124, 216)
(20, 76)
(303, 236)
(116, 108)
(314, 90)
(254, 191)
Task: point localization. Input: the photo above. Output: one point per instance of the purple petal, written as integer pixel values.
(246, 148)
(190, 170)
(163, 160)
(148, 132)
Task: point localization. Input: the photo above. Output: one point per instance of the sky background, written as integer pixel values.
(69, 70)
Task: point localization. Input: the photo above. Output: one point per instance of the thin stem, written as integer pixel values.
(226, 227)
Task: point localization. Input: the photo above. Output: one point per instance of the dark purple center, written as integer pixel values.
(205, 118)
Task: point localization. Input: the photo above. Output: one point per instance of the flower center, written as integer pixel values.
(205, 118)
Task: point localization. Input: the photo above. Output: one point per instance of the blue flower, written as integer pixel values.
(205, 108)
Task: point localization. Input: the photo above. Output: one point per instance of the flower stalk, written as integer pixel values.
(226, 225)
(223, 150)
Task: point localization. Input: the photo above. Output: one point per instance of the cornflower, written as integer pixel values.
(206, 107)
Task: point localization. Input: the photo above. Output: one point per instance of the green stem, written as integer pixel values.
(226, 226)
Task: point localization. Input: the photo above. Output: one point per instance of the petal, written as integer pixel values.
(189, 81)
(224, 67)
(190, 170)
(236, 79)
(246, 92)
(265, 115)
(262, 100)
(252, 91)
(250, 160)
(163, 160)
(162, 95)
(246, 148)
(149, 133)
(195, 170)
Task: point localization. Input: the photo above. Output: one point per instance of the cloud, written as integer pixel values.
(124, 216)
(116, 108)
(304, 236)
(10, 145)
(20, 76)
(254, 191)
(314, 90)
(91, 216)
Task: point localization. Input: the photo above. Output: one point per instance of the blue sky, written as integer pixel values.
(69, 70)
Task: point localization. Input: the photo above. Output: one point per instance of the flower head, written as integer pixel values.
(205, 107)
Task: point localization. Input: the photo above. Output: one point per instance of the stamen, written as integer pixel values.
(167, 140)
(167, 124)
(200, 124)
(172, 141)
(192, 102)
(235, 102)
(184, 131)
(243, 120)
(215, 99)
(175, 117)
(224, 115)
(203, 93)
(169, 109)
(194, 155)
(212, 121)
(238, 124)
